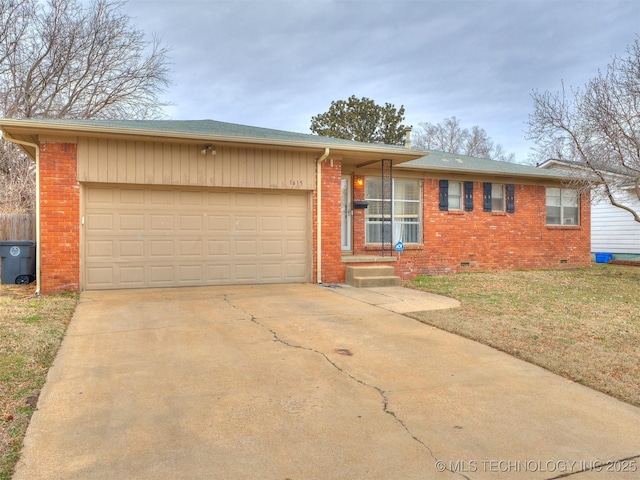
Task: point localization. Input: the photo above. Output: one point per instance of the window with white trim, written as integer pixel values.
(455, 195)
(563, 206)
(497, 197)
(405, 210)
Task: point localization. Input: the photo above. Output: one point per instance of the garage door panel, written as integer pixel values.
(218, 224)
(128, 222)
(100, 277)
(272, 201)
(218, 248)
(100, 222)
(246, 199)
(149, 237)
(132, 248)
(218, 199)
(131, 197)
(161, 197)
(296, 224)
(219, 274)
(100, 197)
(131, 276)
(246, 224)
(271, 247)
(191, 273)
(161, 249)
(271, 272)
(271, 224)
(246, 248)
(191, 223)
(245, 272)
(191, 198)
(296, 272)
(162, 223)
(190, 248)
(161, 274)
(295, 247)
(100, 250)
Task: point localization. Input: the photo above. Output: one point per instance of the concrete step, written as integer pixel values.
(370, 271)
(367, 276)
(370, 282)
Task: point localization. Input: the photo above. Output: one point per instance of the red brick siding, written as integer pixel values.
(485, 240)
(60, 218)
(333, 270)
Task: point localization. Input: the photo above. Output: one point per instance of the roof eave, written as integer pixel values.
(28, 127)
(472, 171)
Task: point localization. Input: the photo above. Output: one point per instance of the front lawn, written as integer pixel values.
(583, 324)
(31, 330)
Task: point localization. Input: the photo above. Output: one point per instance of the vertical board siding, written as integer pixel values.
(150, 163)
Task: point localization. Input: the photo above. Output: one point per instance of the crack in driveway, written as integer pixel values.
(380, 391)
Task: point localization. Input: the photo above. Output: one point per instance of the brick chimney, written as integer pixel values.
(407, 136)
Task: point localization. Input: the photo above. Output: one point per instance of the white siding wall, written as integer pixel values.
(613, 230)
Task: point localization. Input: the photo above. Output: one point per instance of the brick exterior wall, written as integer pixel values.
(456, 241)
(60, 218)
(452, 240)
(333, 270)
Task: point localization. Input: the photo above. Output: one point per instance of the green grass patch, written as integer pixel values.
(583, 324)
(31, 330)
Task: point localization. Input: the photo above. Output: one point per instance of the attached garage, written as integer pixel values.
(160, 237)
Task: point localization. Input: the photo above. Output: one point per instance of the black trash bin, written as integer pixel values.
(18, 261)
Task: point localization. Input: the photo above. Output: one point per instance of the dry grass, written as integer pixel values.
(582, 324)
(31, 330)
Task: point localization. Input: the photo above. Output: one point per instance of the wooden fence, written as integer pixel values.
(17, 227)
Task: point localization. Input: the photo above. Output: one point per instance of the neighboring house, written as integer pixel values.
(132, 204)
(613, 230)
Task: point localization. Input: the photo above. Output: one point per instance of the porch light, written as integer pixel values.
(359, 181)
(207, 149)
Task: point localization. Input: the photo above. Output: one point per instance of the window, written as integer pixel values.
(405, 210)
(455, 196)
(562, 206)
(499, 198)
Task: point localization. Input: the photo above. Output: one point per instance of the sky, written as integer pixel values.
(277, 63)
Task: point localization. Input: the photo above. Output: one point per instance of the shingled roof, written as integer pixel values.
(441, 161)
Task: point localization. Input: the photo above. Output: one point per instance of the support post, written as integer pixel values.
(387, 207)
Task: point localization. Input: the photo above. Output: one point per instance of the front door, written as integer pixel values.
(347, 213)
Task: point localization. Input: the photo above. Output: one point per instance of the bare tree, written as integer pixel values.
(449, 136)
(61, 59)
(597, 129)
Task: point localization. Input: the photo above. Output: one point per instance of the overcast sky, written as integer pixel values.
(276, 63)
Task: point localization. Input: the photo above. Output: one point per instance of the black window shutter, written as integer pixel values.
(468, 196)
(444, 195)
(487, 196)
(511, 198)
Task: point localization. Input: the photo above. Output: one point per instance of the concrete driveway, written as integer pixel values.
(306, 382)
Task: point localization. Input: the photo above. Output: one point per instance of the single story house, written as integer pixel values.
(613, 230)
(133, 204)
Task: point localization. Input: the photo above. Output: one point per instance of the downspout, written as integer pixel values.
(319, 215)
(7, 137)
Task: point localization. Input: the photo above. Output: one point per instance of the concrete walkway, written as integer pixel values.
(305, 382)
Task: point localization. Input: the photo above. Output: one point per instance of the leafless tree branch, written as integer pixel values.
(449, 136)
(62, 59)
(597, 129)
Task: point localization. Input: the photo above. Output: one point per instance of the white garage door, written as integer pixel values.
(143, 237)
